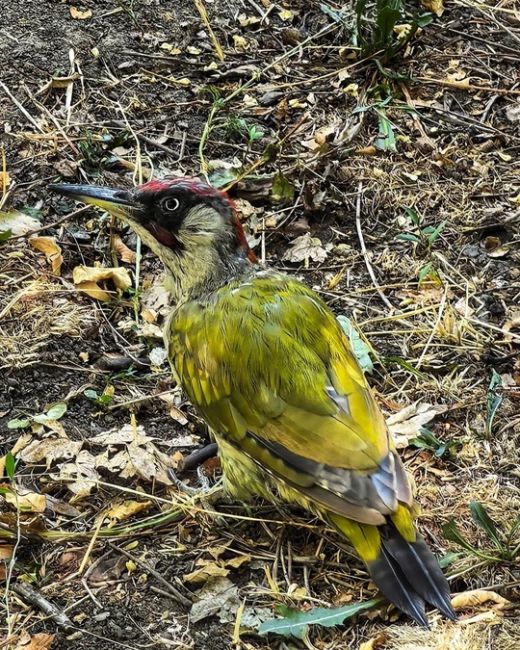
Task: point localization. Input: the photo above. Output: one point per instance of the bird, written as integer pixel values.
(266, 364)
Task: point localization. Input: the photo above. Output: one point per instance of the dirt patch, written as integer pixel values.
(416, 242)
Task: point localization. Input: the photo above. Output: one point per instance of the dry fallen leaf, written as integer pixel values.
(375, 643)
(407, 423)
(123, 510)
(17, 222)
(477, 597)
(52, 251)
(86, 280)
(435, 6)
(77, 14)
(28, 502)
(306, 247)
(49, 449)
(125, 253)
(6, 550)
(205, 572)
(40, 641)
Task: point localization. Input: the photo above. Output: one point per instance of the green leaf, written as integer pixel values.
(448, 559)
(55, 412)
(413, 215)
(91, 394)
(481, 517)
(404, 364)
(452, 533)
(282, 189)
(5, 235)
(385, 140)
(35, 213)
(296, 623)
(10, 465)
(493, 400)
(406, 236)
(423, 19)
(18, 424)
(359, 347)
(433, 233)
(426, 270)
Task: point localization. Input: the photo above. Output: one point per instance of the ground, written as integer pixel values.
(390, 184)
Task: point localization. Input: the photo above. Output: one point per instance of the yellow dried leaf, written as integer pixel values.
(149, 315)
(241, 44)
(476, 597)
(286, 14)
(86, 280)
(124, 510)
(4, 179)
(29, 502)
(375, 643)
(77, 14)
(367, 151)
(247, 21)
(171, 49)
(125, 253)
(204, 573)
(195, 51)
(435, 6)
(52, 251)
(131, 566)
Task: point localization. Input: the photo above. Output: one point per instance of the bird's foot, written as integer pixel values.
(203, 486)
(195, 461)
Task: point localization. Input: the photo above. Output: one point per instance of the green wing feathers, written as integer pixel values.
(269, 368)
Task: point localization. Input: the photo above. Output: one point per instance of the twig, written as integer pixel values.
(29, 593)
(364, 249)
(21, 108)
(204, 17)
(181, 598)
(461, 85)
(54, 223)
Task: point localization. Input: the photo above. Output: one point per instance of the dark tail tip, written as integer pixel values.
(391, 580)
(421, 570)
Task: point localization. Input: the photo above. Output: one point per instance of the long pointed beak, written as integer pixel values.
(118, 202)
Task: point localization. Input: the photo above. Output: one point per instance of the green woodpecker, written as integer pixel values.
(266, 364)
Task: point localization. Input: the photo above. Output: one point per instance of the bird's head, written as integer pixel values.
(190, 225)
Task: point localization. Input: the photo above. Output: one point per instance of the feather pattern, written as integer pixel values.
(269, 368)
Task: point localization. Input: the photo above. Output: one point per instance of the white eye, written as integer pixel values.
(171, 204)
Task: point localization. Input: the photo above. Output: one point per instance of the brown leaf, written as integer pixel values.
(28, 502)
(77, 14)
(49, 449)
(476, 597)
(124, 510)
(406, 424)
(435, 6)
(52, 251)
(40, 641)
(125, 253)
(205, 572)
(375, 643)
(86, 279)
(304, 248)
